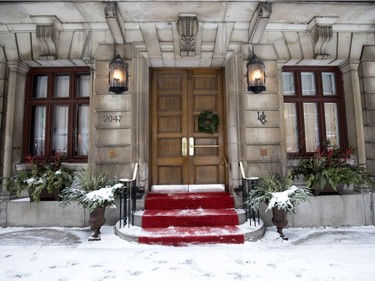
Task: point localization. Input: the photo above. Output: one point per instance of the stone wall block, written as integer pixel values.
(113, 102)
(334, 211)
(368, 53)
(260, 169)
(113, 137)
(263, 135)
(263, 153)
(115, 154)
(45, 214)
(102, 68)
(369, 101)
(272, 85)
(261, 101)
(368, 68)
(253, 118)
(370, 116)
(369, 85)
(102, 85)
(112, 120)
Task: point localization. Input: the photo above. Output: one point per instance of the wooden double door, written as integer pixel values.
(181, 154)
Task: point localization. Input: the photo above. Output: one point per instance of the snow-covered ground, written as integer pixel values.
(65, 254)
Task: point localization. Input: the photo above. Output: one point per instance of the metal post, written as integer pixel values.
(128, 199)
(120, 219)
(134, 199)
(244, 198)
(124, 198)
(254, 213)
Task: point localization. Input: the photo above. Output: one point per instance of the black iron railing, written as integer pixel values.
(128, 199)
(248, 184)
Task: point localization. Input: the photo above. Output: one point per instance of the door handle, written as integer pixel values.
(192, 146)
(184, 146)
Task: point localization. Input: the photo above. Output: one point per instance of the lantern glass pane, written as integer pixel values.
(256, 75)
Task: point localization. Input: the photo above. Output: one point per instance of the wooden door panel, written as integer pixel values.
(169, 147)
(203, 103)
(206, 91)
(178, 97)
(168, 124)
(170, 173)
(206, 174)
(168, 90)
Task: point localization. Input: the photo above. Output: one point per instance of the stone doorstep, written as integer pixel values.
(251, 232)
(187, 188)
(139, 214)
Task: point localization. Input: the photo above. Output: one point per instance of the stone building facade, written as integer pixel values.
(187, 35)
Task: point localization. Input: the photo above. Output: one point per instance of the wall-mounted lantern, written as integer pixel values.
(118, 75)
(255, 73)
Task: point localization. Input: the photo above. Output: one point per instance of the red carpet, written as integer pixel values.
(185, 218)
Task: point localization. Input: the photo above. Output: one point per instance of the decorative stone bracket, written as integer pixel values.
(321, 33)
(187, 28)
(48, 37)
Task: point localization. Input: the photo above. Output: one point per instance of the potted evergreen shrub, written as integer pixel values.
(44, 180)
(94, 191)
(330, 168)
(280, 196)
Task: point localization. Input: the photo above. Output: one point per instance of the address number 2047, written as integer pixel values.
(112, 118)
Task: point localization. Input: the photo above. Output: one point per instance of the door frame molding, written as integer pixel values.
(233, 90)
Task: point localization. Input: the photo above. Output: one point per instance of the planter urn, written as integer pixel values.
(96, 221)
(279, 219)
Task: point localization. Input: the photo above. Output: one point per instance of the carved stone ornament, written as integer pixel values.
(321, 31)
(110, 9)
(187, 27)
(265, 10)
(321, 35)
(48, 37)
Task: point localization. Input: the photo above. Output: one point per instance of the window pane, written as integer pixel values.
(329, 86)
(40, 86)
(308, 84)
(310, 112)
(288, 84)
(61, 86)
(38, 138)
(83, 85)
(290, 116)
(332, 123)
(60, 129)
(82, 129)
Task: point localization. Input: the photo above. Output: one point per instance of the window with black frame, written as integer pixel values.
(314, 109)
(57, 113)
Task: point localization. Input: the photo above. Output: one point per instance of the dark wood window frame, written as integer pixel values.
(319, 99)
(72, 102)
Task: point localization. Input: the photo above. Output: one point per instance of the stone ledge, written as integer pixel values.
(355, 209)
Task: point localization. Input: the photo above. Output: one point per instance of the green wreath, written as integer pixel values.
(208, 122)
